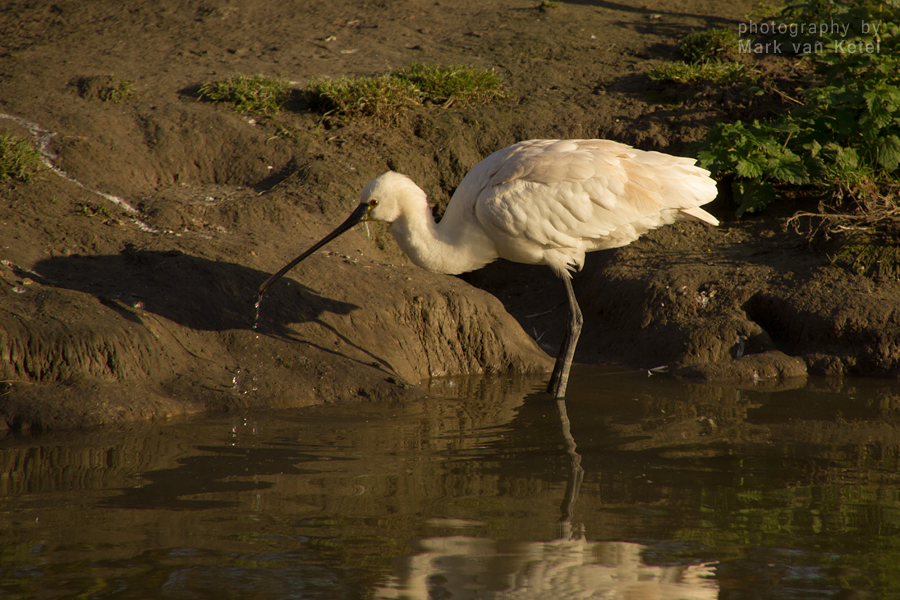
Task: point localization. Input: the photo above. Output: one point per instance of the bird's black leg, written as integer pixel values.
(560, 377)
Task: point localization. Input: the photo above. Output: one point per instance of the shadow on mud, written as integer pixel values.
(192, 291)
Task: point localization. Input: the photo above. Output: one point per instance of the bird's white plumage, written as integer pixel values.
(544, 202)
(540, 202)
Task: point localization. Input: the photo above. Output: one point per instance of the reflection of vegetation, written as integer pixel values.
(320, 507)
(859, 525)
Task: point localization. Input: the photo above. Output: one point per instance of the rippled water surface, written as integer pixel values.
(636, 487)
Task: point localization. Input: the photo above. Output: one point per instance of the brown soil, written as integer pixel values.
(110, 315)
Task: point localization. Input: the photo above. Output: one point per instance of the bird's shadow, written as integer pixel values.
(192, 291)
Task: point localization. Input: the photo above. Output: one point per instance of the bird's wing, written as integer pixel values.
(584, 193)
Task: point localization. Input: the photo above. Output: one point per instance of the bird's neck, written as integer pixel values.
(445, 247)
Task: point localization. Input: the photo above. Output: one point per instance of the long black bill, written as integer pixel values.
(357, 216)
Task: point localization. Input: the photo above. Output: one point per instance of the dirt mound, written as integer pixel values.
(129, 274)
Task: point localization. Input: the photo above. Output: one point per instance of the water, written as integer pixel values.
(650, 488)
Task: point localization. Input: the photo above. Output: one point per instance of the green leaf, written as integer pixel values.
(788, 168)
(887, 151)
(752, 195)
(749, 168)
(814, 148)
(847, 129)
(846, 158)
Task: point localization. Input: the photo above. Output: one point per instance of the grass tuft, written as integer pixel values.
(707, 56)
(455, 84)
(256, 94)
(121, 91)
(106, 88)
(712, 71)
(384, 97)
(377, 97)
(18, 159)
(708, 45)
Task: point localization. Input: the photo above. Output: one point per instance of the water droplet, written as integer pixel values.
(256, 318)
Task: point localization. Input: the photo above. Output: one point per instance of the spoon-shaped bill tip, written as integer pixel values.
(357, 216)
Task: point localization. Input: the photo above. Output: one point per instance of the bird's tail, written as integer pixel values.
(697, 213)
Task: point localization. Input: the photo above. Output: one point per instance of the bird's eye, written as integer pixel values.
(373, 203)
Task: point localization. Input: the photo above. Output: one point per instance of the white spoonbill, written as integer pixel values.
(544, 202)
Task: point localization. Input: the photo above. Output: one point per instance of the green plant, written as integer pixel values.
(106, 88)
(459, 84)
(383, 97)
(708, 44)
(764, 9)
(707, 57)
(871, 258)
(92, 210)
(377, 97)
(713, 71)
(121, 91)
(846, 130)
(18, 159)
(257, 94)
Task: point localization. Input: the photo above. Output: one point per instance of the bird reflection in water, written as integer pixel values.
(570, 566)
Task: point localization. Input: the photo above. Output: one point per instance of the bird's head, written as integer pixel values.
(387, 196)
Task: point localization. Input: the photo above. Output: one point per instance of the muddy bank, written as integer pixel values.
(128, 288)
